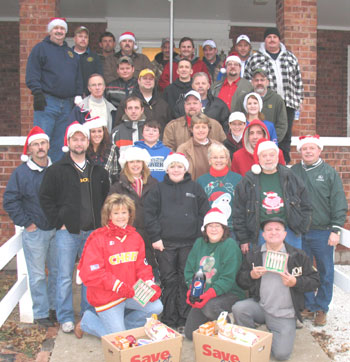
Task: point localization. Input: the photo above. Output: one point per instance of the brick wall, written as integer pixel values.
(332, 78)
(10, 124)
(9, 160)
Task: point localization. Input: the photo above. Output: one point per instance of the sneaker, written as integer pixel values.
(52, 315)
(321, 318)
(44, 322)
(78, 331)
(299, 325)
(67, 327)
(307, 314)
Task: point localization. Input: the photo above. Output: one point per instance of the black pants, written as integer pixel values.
(172, 261)
(284, 145)
(210, 312)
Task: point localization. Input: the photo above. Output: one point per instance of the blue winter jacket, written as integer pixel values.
(21, 197)
(54, 70)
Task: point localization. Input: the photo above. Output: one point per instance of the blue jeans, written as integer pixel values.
(39, 249)
(291, 239)
(53, 120)
(315, 244)
(69, 246)
(126, 315)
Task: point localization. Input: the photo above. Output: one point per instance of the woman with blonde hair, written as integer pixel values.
(196, 148)
(135, 181)
(112, 262)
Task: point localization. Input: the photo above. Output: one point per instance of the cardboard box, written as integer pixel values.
(168, 350)
(214, 349)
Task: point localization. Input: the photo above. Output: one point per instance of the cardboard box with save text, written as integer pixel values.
(214, 349)
(168, 350)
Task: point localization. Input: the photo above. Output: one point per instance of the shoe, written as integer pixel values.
(307, 314)
(67, 327)
(52, 315)
(181, 330)
(299, 325)
(44, 322)
(78, 331)
(321, 318)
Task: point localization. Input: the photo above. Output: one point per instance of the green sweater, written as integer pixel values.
(326, 192)
(221, 262)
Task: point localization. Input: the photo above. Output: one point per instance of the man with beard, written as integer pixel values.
(54, 77)
(233, 87)
(127, 45)
(71, 195)
(162, 59)
(177, 131)
(187, 51)
(155, 107)
(21, 202)
(107, 45)
(213, 107)
(274, 108)
(270, 190)
(282, 69)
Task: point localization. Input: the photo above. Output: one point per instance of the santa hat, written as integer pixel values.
(35, 133)
(262, 145)
(95, 122)
(176, 157)
(57, 22)
(128, 35)
(215, 195)
(70, 130)
(134, 154)
(309, 139)
(257, 96)
(214, 215)
(233, 57)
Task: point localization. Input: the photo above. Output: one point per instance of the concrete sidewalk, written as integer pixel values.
(89, 349)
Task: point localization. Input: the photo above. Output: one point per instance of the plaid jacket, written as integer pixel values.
(112, 164)
(290, 72)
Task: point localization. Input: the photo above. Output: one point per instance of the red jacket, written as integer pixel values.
(197, 66)
(110, 258)
(243, 159)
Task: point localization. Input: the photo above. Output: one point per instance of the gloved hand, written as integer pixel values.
(157, 294)
(205, 297)
(124, 291)
(39, 101)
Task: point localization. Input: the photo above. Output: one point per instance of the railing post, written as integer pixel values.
(25, 303)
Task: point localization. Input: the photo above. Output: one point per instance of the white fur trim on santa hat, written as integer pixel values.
(267, 145)
(134, 154)
(176, 157)
(315, 139)
(214, 215)
(95, 122)
(257, 96)
(230, 58)
(57, 22)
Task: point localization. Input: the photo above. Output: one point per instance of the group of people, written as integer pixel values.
(157, 180)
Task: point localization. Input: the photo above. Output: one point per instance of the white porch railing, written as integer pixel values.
(20, 291)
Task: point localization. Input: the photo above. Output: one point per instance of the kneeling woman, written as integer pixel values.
(113, 261)
(221, 259)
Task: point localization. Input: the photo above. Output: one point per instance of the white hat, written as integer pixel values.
(134, 154)
(95, 122)
(230, 58)
(243, 37)
(70, 130)
(57, 22)
(194, 94)
(309, 139)
(209, 42)
(237, 116)
(176, 157)
(257, 96)
(35, 133)
(214, 215)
